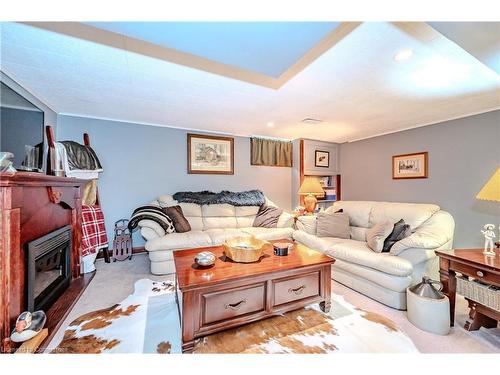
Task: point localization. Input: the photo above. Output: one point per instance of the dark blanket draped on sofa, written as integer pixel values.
(241, 198)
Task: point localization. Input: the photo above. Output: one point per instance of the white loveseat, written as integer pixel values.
(383, 276)
(210, 225)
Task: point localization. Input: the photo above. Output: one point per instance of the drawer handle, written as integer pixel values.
(235, 306)
(298, 290)
(479, 273)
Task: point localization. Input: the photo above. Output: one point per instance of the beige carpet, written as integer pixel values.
(115, 281)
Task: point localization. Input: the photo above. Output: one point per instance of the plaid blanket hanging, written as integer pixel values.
(94, 232)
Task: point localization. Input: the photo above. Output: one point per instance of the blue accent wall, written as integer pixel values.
(463, 154)
(141, 162)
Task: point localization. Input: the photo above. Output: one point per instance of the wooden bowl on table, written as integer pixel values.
(244, 249)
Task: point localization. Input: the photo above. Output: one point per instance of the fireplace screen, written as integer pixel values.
(48, 268)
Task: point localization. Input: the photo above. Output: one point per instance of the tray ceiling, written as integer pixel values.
(268, 48)
(352, 83)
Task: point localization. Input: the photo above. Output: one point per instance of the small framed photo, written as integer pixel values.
(208, 154)
(410, 166)
(322, 159)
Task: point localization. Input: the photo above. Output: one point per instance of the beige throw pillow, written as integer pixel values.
(333, 225)
(376, 235)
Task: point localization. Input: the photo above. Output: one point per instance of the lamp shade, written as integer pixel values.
(311, 185)
(491, 190)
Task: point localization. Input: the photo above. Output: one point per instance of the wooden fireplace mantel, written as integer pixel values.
(37, 179)
(32, 205)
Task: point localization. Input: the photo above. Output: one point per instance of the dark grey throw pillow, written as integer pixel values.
(267, 217)
(400, 231)
(180, 222)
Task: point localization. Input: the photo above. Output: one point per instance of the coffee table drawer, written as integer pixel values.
(228, 304)
(296, 288)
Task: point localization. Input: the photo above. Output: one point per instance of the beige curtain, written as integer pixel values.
(270, 152)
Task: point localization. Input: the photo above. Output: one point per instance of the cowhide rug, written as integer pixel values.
(148, 322)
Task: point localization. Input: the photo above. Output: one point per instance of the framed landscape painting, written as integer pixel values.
(208, 154)
(410, 166)
(321, 159)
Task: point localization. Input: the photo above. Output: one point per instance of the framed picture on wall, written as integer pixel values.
(322, 159)
(410, 166)
(208, 154)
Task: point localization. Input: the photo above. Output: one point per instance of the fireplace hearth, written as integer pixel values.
(48, 268)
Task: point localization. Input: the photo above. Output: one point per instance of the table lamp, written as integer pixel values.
(310, 188)
(490, 192)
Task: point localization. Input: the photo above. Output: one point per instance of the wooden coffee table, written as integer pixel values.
(230, 294)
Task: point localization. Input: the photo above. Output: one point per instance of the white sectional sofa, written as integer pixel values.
(383, 276)
(210, 225)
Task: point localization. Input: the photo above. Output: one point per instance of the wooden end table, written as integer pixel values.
(230, 294)
(472, 263)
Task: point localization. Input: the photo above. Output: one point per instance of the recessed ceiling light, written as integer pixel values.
(311, 121)
(270, 124)
(404, 54)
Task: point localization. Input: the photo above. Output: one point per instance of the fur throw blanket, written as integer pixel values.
(242, 198)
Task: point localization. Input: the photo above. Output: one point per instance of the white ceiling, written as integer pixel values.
(356, 87)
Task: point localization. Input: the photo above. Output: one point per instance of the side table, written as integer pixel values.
(472, 263)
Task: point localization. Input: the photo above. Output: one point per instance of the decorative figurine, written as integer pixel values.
(28, 325)
(489, 234)
(6, 164)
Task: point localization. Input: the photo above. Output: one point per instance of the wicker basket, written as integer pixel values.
(244, 249)
(484, 294)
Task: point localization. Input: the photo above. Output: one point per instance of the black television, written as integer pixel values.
(21, 130)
